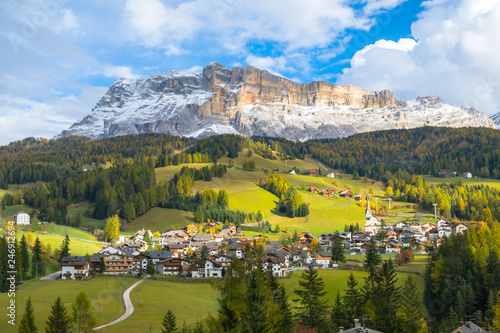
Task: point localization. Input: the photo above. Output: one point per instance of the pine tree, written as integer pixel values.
(37, 267)
(25, 256)
(83, 316)
(27, 324)
(58, 320)
(254, 316)
(372, 257)
(168, 324)
(353, 302)
(64, 248)
(338, 249)
(337, 317)
(313, 307)
(410, 311)
(386, 299)
(204, 252)
(78, 220)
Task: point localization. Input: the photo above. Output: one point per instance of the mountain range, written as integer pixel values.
(250, 101)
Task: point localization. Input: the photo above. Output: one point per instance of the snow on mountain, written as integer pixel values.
(249, 101)
(496, 119)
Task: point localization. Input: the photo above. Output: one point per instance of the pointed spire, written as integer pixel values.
(368, 214)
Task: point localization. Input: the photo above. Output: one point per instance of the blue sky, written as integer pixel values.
(58, 57)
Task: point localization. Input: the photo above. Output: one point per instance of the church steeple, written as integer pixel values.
(368, 214)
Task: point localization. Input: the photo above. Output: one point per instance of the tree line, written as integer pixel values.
(290, 201)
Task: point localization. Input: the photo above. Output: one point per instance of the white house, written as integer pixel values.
(467, 175)
(22, 218)
(206, 268)
(330, 175)
(323, 259)
(75, 268)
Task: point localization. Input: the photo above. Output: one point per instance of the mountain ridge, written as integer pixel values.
(250, 101)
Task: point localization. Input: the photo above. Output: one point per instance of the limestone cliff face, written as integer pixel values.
(250, 101)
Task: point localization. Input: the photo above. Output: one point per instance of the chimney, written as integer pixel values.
(341, 328)
(356, 323)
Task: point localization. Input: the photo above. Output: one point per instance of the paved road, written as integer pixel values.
(129, 307)
(51, 277)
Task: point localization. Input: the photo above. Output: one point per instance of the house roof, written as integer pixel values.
(74, 261)
(469, 327)
(160, 254)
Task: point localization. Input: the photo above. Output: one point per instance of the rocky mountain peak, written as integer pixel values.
(250, 101)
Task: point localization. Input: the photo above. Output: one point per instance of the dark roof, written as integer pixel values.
(175, 246)
(74, 261)
(160, 254)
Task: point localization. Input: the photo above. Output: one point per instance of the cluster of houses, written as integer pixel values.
(186, 253)
(446, 174)
(332, 192)
(311, 172)
(415, 235)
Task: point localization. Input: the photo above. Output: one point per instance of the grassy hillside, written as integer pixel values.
(105, 293)
(66, 230)
(160, 219)
(77, 247)
(152, 299)
(87, 222)
(467, 181)
(11, 210)
(168, 172)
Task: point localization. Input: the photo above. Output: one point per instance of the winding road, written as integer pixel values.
(129, 307)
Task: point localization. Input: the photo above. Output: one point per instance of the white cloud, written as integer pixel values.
(294, 24)
(455, 56)
(119, 72)
(272, 65)
(194, 69)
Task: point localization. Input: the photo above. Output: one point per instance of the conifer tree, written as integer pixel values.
(353, 302)
(25, 256)
(310, 296)
(338, 249)
(372, 256)
(27, 324)
(386, 299)
(254, 316)
(64, 248)
(37, 267)
(410, 313)
(58, 320)
(168, 324)
(337, 317)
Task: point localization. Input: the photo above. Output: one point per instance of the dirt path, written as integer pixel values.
(129, 307)
(51, 277)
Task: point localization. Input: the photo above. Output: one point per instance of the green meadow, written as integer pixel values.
(467, 181)
(77, 247)
(105, 293)
(160, 219)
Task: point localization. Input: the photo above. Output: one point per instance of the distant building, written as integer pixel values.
(372, 224)
(467, 175)
(75, 268)
(22, 218)
(469, 327)
(330, 175)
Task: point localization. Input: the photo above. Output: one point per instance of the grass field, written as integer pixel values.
(77, 247)
(467, 181)
(169, 171)
(11, 210)
(245, 194)
(336, 281)
(105, 293)
(152, 299)
(161, 219)
(53, 228)
(86, 221)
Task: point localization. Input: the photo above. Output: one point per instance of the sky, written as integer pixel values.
(59, 57)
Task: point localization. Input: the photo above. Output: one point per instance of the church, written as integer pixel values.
(372, 224)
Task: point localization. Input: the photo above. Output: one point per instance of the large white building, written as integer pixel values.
(22, 218)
